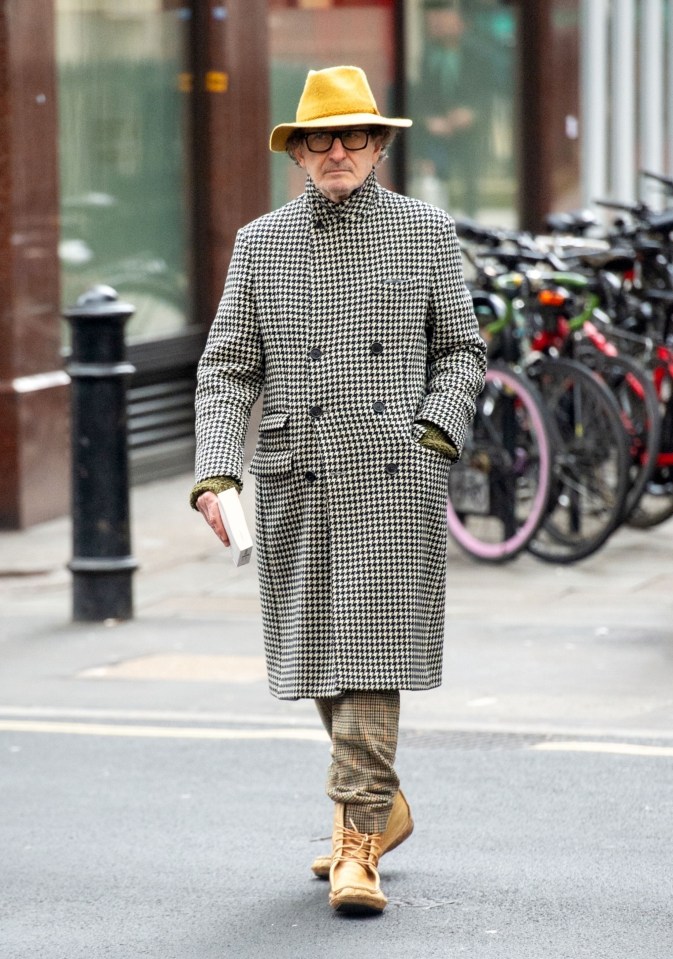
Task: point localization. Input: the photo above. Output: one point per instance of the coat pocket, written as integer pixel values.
(270, 462)
(273, 432)
(273, 421)
(402, 300)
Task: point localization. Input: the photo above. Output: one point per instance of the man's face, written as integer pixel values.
(445, 25)
(338, 172)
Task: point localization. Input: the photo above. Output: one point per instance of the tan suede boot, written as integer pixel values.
(400, 827)
(354, 881)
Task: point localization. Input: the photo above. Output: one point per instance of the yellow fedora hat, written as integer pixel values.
(333, 98)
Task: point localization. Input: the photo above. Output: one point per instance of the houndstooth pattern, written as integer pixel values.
(355, 320)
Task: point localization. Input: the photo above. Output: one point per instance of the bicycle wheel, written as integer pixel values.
(639, 410)
(499, 491)
(656, 504)
(591, 465)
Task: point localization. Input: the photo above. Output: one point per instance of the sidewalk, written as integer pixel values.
(585, 649)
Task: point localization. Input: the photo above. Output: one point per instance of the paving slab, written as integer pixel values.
(528, 644)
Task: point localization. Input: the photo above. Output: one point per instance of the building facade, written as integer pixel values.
(133, 145)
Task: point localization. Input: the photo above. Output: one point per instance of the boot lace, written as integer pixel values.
(359, 847)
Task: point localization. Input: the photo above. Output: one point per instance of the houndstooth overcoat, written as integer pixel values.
(355, 321)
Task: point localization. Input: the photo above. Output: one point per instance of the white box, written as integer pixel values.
(236, 526)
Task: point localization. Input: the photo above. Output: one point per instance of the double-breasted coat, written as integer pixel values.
(355, 321)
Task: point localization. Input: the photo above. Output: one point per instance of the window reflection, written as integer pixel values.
(460, 97)
(124, 202)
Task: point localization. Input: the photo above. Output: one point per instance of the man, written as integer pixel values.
(348, 307)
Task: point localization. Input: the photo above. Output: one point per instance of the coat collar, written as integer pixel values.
(359, 205)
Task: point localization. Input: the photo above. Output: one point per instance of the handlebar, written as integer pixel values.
(526, 251)
(637, 209)
(667, 181)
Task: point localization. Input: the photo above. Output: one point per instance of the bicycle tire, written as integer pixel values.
(637, 398)
(499, 490)
(655, 505)
(591, 466)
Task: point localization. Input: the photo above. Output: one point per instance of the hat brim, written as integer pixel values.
(281, 133)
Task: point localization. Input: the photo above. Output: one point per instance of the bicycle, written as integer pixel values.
(499, 490)
(573, 335)
(591, 464)
(588, 494)
(640, 324)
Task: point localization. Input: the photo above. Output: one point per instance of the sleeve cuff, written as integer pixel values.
(214, 484)
(435, 439)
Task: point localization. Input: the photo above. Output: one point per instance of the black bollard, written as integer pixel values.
(102, 564)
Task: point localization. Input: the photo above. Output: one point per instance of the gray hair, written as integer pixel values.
(386, 135)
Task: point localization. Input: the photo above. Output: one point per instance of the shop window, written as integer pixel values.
(125, 207)
(460, 95)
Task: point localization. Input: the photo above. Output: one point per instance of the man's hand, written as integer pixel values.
(445, 125)
(207, 504)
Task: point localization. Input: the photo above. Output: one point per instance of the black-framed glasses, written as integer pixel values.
(322, 140)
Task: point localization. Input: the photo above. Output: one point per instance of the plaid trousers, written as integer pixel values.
(363, 726)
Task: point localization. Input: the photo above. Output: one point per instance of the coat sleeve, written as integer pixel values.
(456, 358)
(230, 374)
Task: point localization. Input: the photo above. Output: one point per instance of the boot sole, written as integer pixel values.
(357, 902)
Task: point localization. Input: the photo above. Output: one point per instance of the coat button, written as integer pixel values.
(310, 477)
(379, 406)
(377, 348)
(315, 412)
(319, 225)
(315, 353)
(392, 468)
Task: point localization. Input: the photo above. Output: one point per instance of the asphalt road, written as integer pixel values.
(129, 840)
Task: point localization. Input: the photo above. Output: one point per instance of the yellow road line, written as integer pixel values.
(158, 732)
(616, 749)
